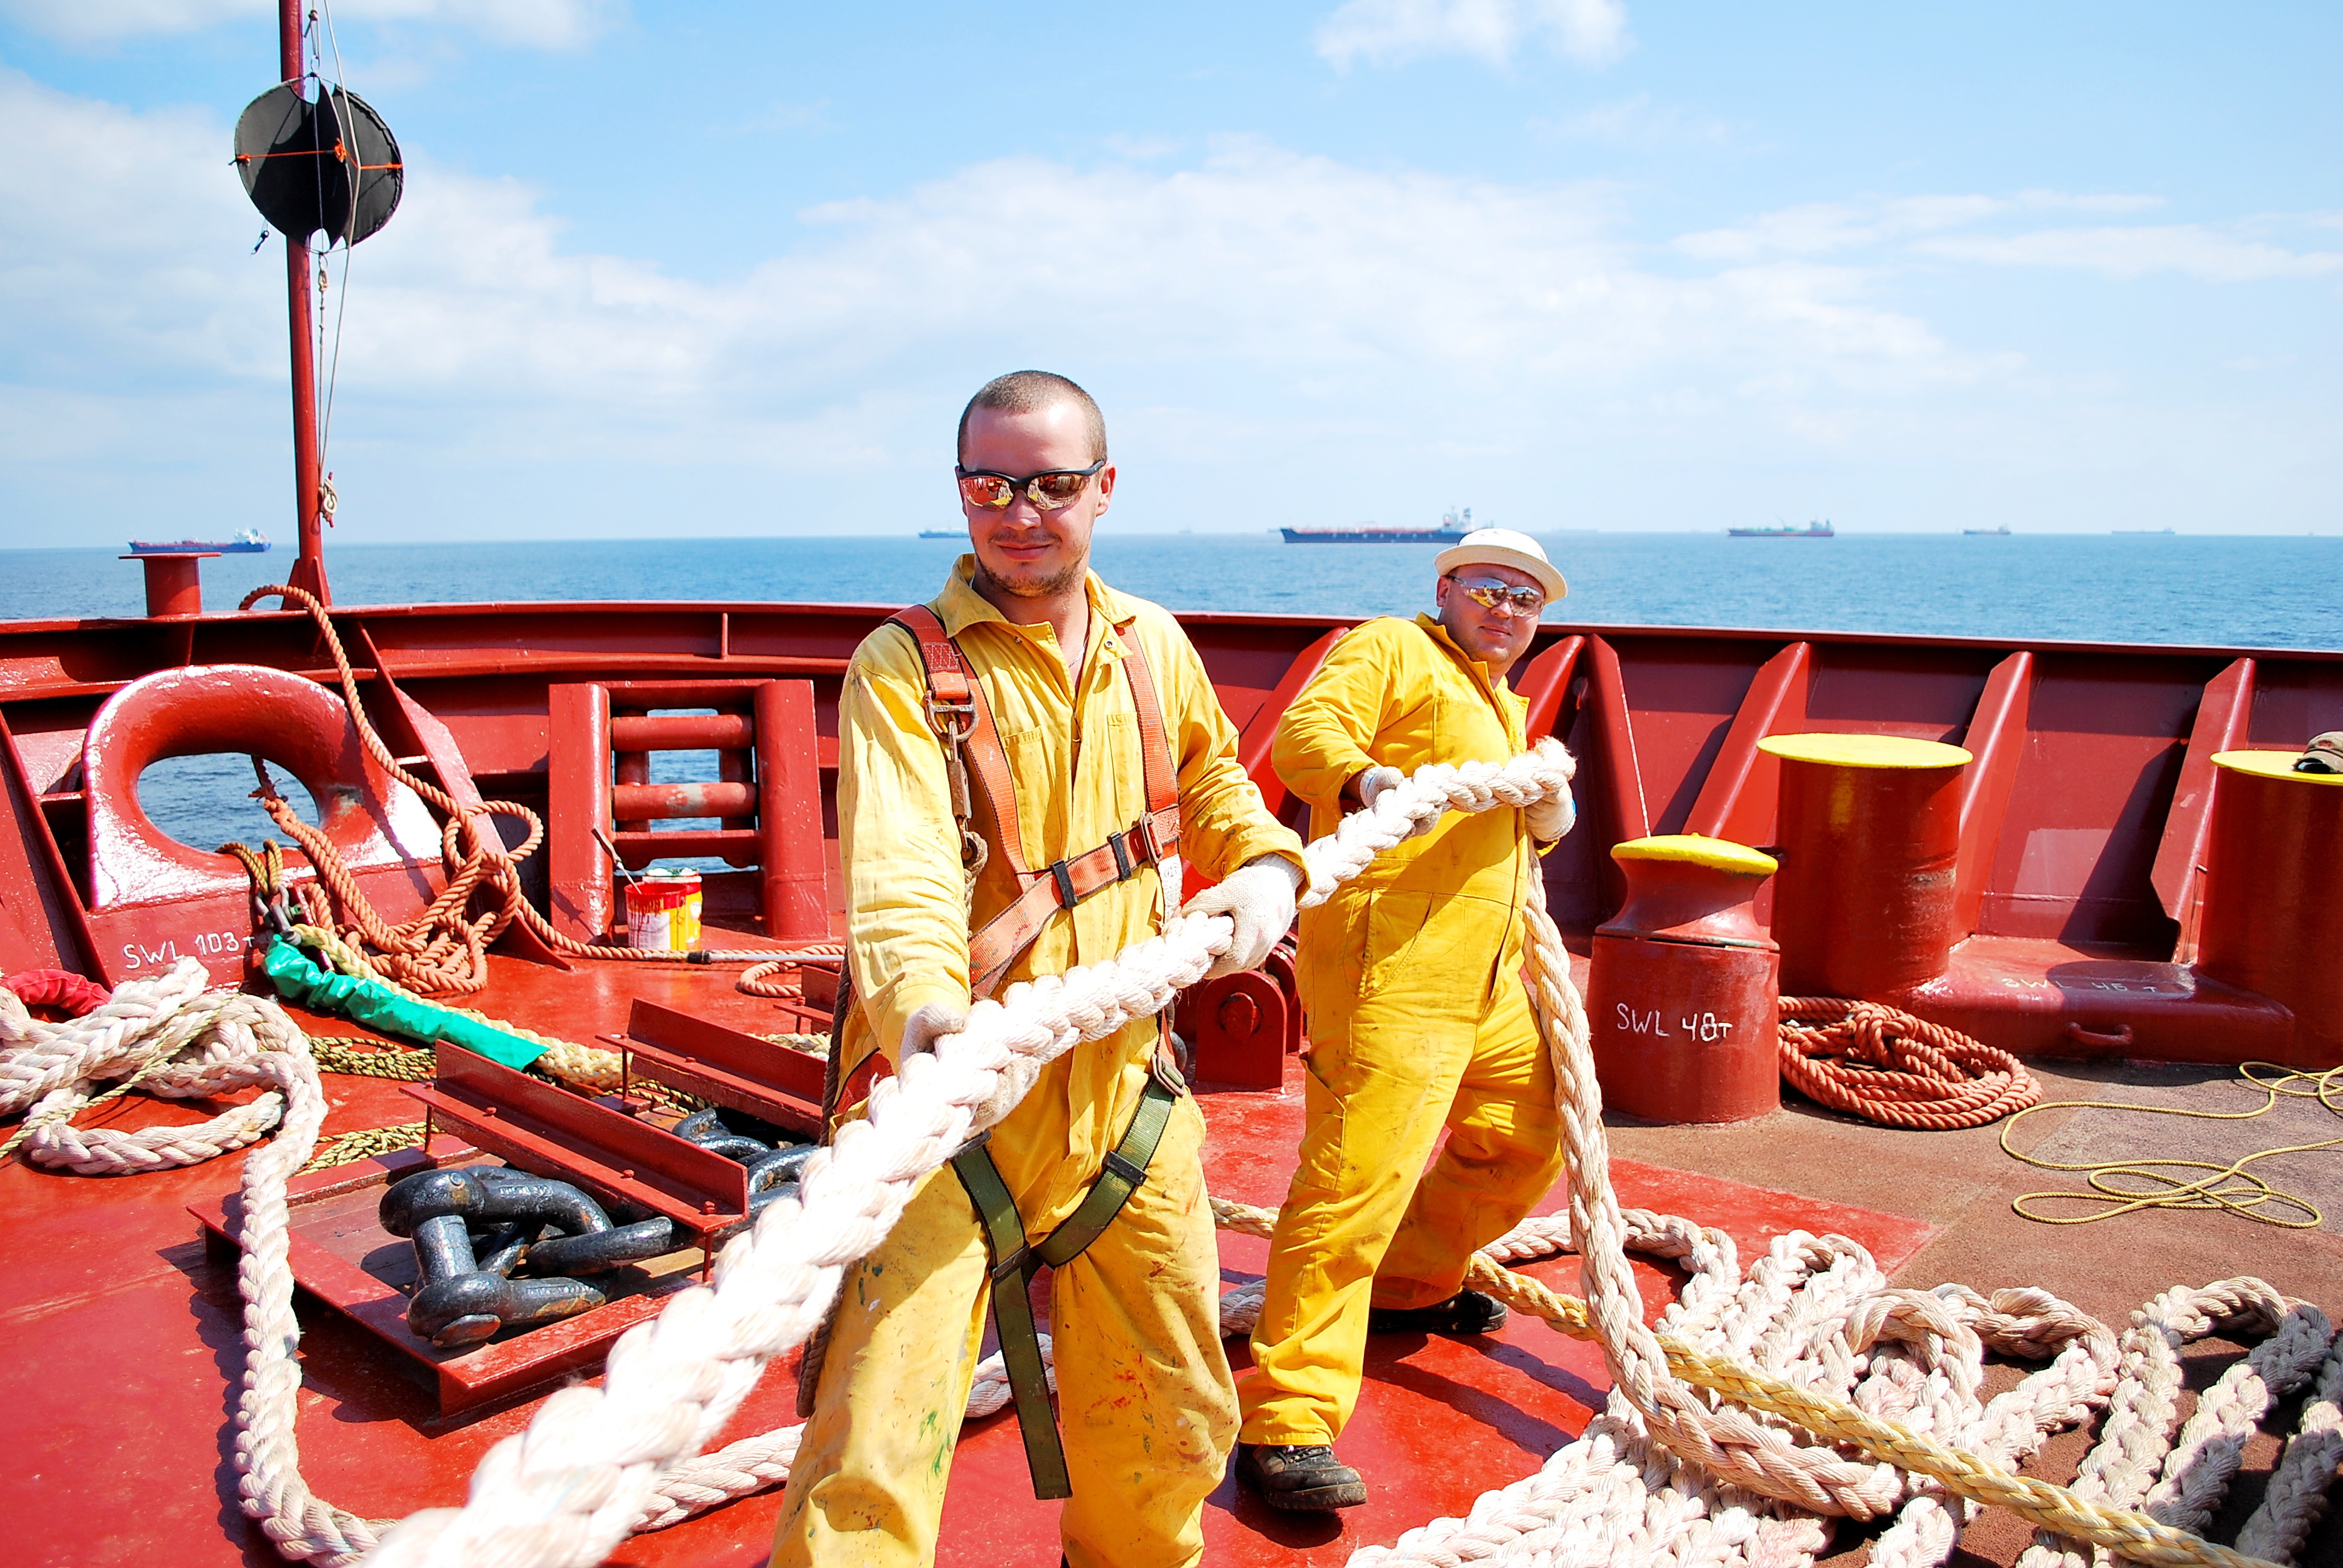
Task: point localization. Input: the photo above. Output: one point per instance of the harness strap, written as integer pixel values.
(979, 769)
(1013, 1263)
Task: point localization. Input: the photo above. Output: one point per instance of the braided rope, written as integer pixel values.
(445, 949)
(594, 1462)
(1881, 1063)
(566, 1490)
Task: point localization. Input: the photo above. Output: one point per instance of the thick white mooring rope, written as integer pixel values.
(568, 1490)
(596, 1463)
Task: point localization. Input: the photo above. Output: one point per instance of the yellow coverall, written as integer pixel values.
(1411, 977)
(1147, 1405)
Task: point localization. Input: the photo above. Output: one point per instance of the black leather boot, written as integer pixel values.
(1466, 1312)
(1305, 1478)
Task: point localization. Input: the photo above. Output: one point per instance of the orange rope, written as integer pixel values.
(1883, 1064)
(444, 949)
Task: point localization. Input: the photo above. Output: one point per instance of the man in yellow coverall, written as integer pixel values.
(1411, 977)
(1148, 1406)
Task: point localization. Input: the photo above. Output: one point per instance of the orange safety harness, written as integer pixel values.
(984, 802)
(984, 808)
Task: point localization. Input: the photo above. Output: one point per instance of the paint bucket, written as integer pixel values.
(656, 915)
(686, 923)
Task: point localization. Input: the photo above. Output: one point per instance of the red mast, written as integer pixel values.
(309, 571)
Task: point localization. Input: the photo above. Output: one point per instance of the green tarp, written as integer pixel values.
(378, 1006)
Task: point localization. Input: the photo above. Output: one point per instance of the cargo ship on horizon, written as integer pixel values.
(250, 542)
(1820, 530)
(1453, 526)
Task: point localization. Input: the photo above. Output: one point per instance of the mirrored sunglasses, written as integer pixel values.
(1049, 492)
(1491, 594)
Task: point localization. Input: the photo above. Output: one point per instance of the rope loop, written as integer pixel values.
(1881, 1063)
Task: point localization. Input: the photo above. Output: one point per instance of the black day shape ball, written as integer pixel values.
(331, 164)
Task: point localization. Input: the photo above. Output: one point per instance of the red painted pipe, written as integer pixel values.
(308, 571)
(793, 857)
(682, 732)
(1681, 999)
(1870, 832)
(2270, 920)
(661, 802)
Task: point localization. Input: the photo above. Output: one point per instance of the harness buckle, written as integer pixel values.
(952, 720)
(1067, 896)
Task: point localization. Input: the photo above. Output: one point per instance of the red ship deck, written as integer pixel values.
(2079, 870)
(137, 1336)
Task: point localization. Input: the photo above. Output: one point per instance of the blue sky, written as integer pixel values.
(694, 269)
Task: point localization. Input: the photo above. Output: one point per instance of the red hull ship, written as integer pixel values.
(2111, 904)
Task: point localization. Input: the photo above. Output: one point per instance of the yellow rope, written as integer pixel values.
(2129, 1186)
(364, 1144)
(356, 1056)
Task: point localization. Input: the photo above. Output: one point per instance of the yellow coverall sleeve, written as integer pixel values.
(1223, 822)
(1322, 742)
(907, 921)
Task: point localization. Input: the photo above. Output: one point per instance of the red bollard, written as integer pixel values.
(2270, 920)
(1870, 837)
(174, 584)
(1681, 996)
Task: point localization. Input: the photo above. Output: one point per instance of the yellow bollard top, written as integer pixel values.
(1692, 849)
(1864, 750)
(2272, 765)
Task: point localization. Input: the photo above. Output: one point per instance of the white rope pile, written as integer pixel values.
(567, 1491)
(1668, 1473)
(169, 1037)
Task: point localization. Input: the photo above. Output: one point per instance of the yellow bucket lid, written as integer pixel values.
(2272, 765)
(1692, 849)
(1864, 750)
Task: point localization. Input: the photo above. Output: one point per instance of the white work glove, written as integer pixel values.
(1551, 817)
(1375, 780)
(936, 1020)
(1258, 898)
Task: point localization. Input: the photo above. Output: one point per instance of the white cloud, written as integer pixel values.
(540, 23)
(1390, 32)
(1932, 225)
(1252, 312)
(2191, 250)
(1637, 121)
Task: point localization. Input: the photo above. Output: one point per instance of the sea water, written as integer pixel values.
(2196, 590)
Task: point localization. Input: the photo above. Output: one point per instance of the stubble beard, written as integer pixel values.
(1050, 586)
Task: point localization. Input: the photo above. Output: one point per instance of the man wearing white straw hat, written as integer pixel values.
(1411, 976)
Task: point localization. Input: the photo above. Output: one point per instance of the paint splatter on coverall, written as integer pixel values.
(1411, 976)
(1147, 1403)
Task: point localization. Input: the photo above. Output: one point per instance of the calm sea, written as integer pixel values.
(2153, 589)
(2265, 592)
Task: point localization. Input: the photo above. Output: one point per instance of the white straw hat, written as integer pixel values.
(1503, 547)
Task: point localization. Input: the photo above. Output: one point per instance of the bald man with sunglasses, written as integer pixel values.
(1411, 979)
(1027, 762)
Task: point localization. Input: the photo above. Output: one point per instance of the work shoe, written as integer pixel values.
(1466, 1312)
(1303, 1478)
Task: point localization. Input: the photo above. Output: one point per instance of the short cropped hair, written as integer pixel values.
(1027, 392)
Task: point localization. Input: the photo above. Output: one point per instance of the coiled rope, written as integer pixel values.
(1884, 1064)
(442, 950)
(596, 1462)
(2127, 1186)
